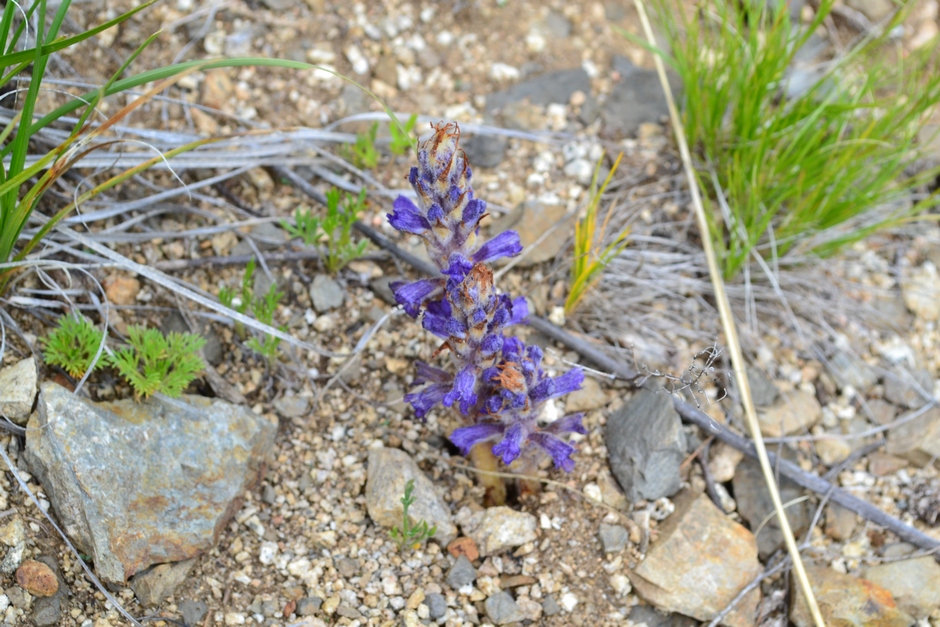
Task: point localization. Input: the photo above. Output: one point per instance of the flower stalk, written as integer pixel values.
(496, 382)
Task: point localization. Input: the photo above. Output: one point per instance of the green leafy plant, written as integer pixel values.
(410, 534)
(227, 295)
(334, 229)
(264, 309)
(789, 168)
(590, 258)
(402, 141)
(153, 362)
(73, 344)
(363, 153)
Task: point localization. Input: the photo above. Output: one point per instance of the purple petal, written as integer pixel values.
(473, 212)
(542, 391)
(491, 344)
(429, 374)
(413, 177)
(425, 400)
(407, 217)
(560, 451)
(443, 327)
(463, 390)
(439, 308)
(506, 244)
(510, 446)
(493, 404)
(411, 295)
(459, 266)
(520, 310)
(512, 348)
(466, 438)
(568, 424)
(535, 354)
(435, 213)
(568, 382)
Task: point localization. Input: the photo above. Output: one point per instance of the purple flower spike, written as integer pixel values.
(407, 217)
(506, 244)
(500, 386)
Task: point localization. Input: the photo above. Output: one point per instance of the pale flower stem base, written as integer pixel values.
(482, 457)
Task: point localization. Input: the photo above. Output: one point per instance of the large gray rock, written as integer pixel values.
(646, 445)
(389, 470)
(754, 504)
(701, 560)
(137, 484)
(18, 390)
(635, 99)
(552, 87)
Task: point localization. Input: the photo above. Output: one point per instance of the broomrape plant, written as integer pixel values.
(498, 383)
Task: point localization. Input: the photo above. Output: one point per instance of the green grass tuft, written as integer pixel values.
(806, 174)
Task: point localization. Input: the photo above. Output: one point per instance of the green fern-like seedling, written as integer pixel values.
(154, 362)
(363, 153)
(410, 534)
(264, 309)
(73, 345)
(227, 296)
(402, 141)
(334, 229)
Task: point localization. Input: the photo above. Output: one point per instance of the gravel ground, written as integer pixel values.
(302, 550)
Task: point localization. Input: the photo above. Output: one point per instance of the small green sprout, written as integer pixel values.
(73, 345)
(410, 534)
(227, 296)
(401, 140)
(335, 229)
(363, 153)
(154, 362)
(264, 309)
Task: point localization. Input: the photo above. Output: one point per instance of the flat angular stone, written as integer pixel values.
(701, 560)
(501, 608)
(158, 582)
(137, 484)
(914, 584)
(795, 411)
(846, 600)
(646, 445)
(389, 470)
(754, 503)
(18, 390)
(498, 529)
(917, 441)
(532, 220)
